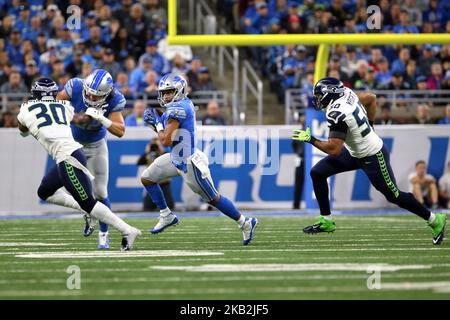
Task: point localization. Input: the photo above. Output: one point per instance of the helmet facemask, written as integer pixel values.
(92, 97)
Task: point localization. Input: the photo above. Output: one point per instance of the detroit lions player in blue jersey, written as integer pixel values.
(98, 106)
(176, 128)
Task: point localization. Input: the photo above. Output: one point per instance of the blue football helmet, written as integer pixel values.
(44, 87)
(169, 83)
(326, 91)
(97, 87)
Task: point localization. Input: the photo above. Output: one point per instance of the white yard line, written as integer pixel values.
(279, 267)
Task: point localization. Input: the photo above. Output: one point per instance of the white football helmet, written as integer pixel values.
(172, 81)
(97, 86)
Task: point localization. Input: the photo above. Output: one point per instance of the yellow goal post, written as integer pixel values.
(321, 40)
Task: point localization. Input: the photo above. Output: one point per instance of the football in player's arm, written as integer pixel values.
(114, 122)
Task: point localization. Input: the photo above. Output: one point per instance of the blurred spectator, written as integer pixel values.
(150, 86)
(397, 82)
(383, 75)
(446, 119)
(86, 69)
(95, 44)
(400, 63)
(426, 60)
(137, 29)
(121, 84)
(436, 78)
(192, 73)
(136, 118)
(8, 120)
(204, 82)
(405, 26)
(178, 64)
(75, 65)
(444, 188)
(360, 74)
(159, 63)
(109, 64)
(153, 150)
(137, 76)
(213, 117)
(14, 85)
(411, 74)
(422, 115)
(423, 185)
(385, 116)
(31, 73)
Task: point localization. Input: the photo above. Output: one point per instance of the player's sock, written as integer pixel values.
(64, 199)
(328, 217)
(103, 226)
(241, 220)
(103, 213)
(165, 212)
(432, 217)
(227, 207)
(157, 196)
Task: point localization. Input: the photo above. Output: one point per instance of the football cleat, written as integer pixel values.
(129, 239)
(323, 225)
(248, 229)
(103, 240)
(90, 224)
(438, 228)
(165, 222)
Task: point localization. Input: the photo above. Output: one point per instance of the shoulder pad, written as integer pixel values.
(176, 112)
(335, 116)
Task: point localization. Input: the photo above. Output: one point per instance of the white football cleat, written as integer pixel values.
(129, 239)
(248, 228)
(103, 240)
(165, 222)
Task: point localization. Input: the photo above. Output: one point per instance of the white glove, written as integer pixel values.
(97, 114)
(94, 113)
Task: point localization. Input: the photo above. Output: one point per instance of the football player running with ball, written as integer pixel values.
(98, 109)
(48, 120)
(176, 128)
(350, 118)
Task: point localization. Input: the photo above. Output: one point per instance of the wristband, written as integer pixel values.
(105, 122)
(312, 140)
(159, 127)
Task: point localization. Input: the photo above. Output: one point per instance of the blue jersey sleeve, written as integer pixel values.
(177, 112)
(73, 85)
(118, 102)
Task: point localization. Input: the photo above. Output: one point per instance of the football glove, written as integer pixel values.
(152, 118)
(302, 135)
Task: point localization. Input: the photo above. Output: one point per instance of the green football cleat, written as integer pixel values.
(438, 227)
(323, 225)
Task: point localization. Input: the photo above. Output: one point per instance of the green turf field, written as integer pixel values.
(207, 261)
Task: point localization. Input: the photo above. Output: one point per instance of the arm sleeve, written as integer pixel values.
(68, 88)
(338, 130)
(120, 105)
(177, 112)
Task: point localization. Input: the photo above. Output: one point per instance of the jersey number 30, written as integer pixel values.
(360, 121)
(52, 117)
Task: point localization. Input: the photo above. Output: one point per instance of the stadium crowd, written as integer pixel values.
(127, 38)
(398, 67)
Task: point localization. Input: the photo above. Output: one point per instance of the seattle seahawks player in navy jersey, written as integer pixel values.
(176, 128)
(98, 108)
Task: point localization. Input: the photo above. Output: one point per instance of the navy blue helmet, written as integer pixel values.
(44, 87)
(326, 91)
